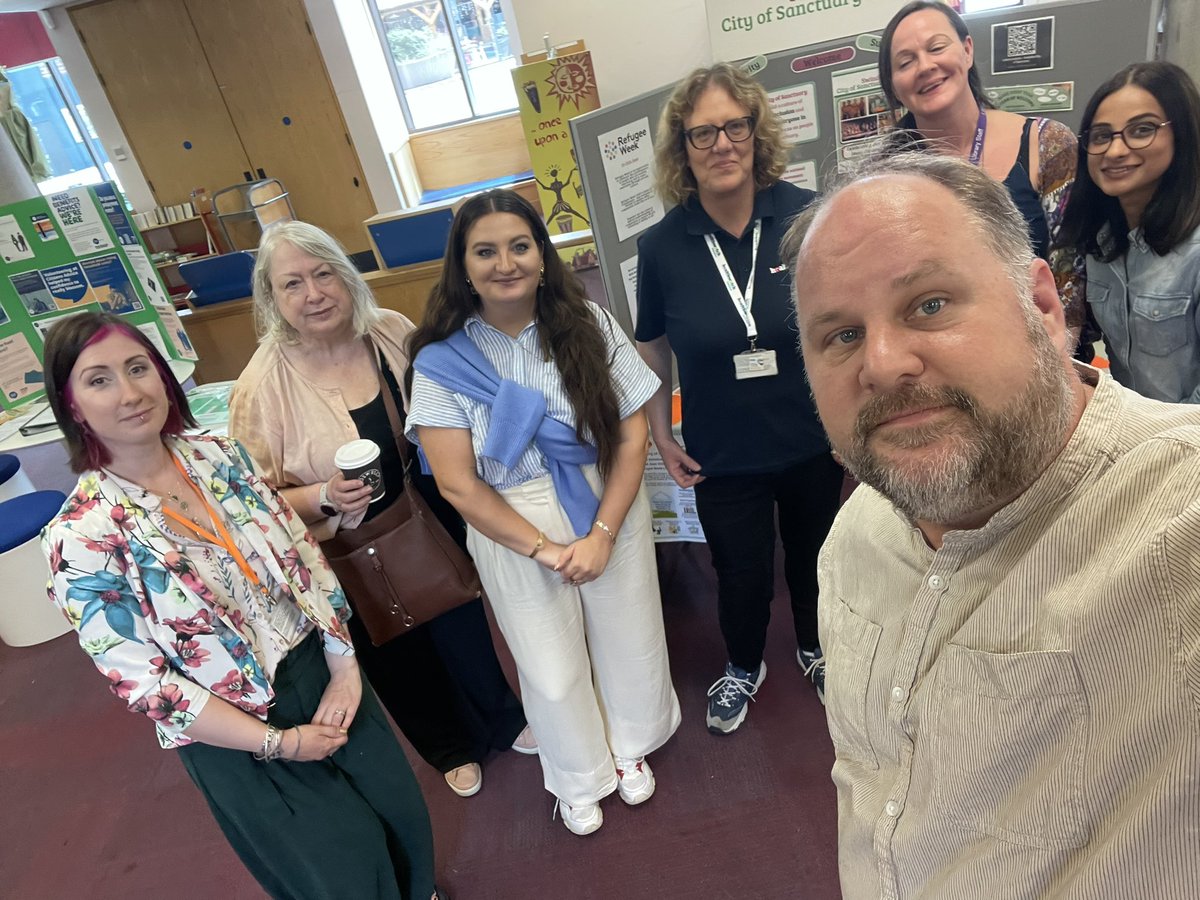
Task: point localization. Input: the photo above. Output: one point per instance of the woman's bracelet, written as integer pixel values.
(541, 542)
(272, 742)
(612, 537)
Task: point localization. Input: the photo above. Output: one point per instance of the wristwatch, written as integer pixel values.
(324, 503)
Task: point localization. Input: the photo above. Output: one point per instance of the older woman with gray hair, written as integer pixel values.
(313, 385)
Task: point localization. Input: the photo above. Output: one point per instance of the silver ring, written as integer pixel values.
(340, 712)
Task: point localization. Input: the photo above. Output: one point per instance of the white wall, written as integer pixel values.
(636, 45)
(353, 55)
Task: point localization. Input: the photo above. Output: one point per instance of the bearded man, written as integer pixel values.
(1010, 604)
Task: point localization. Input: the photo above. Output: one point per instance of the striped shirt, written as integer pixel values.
(1017, 714)
(520, 359)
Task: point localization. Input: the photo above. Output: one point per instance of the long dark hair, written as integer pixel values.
(569, 332)
(64, 342)
(1173, 212)
(909, 122)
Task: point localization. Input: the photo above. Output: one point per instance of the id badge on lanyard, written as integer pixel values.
(751, 363)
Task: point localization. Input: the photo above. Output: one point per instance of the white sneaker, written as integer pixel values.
(580, 820)
(635, 780)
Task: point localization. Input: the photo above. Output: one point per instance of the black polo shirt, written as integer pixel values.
(730, 427)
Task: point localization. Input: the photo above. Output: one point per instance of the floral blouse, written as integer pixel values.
(164, 640)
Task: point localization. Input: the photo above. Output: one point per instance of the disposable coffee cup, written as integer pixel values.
(360, 459)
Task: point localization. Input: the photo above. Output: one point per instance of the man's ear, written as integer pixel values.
(1047, 302)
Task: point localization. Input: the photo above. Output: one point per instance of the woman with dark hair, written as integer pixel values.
(325, 347)
(527, 401)
(1135, 213)
(713, 289)
(927, 66)
(198, 593)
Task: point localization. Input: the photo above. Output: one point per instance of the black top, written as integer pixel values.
(1027, 200)
(372, 423)
(730, 427)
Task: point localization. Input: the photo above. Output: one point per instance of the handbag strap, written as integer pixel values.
(389, 403)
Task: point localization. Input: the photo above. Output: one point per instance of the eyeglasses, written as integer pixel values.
(737, 130)
(1137, 136)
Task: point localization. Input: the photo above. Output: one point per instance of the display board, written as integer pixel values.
(1046, 58)
(70, 252)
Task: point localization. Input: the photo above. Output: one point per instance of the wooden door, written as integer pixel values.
(158, 81)
(270, 71)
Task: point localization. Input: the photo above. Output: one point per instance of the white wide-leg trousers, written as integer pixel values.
(592, 660)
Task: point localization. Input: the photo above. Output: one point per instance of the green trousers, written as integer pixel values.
(354, 825)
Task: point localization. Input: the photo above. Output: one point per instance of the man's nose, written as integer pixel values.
(890, 358)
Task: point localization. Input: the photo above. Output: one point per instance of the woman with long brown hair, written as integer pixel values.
(527, 402)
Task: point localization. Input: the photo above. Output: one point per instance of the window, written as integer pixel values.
(45, 94)
(450, 59)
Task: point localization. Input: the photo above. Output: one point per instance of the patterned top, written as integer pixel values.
(1058, 156)
(988, 742)
(520, 359)
(146, 610)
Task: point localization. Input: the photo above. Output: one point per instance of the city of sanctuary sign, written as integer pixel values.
(739, 29)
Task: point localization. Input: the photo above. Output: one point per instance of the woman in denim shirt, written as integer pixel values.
(1135, 212)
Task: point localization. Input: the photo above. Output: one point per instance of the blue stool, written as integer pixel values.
(26, 615)
(13, 482)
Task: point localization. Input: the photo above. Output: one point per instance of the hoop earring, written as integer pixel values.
(542, 275)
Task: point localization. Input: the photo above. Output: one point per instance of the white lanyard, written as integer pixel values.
(742, 303)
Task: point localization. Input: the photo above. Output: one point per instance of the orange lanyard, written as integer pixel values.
(224, 540)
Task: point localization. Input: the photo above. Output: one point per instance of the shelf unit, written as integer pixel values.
(184, 236)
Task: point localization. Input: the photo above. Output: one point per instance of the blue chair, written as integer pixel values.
(13, 482)
(26, 615)
(215, 279)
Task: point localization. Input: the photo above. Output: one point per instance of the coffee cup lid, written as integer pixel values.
(355, 453)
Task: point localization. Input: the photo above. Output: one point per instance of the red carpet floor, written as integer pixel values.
(92, 808)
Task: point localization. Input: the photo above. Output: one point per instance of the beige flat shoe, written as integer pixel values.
(526, 743)
(465, 780)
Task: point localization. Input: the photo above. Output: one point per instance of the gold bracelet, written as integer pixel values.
(541, 542)
(612, 537)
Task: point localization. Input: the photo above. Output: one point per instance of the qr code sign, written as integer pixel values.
(1022, 39)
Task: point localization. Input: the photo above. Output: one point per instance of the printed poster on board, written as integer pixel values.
(80, 221)
(14, 246)
(551, 92)
(628, 155)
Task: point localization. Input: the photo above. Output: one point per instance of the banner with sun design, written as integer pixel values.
(550, 92)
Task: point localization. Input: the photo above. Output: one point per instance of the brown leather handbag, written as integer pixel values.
(401, 568)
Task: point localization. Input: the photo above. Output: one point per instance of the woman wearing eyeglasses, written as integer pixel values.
(712, 289)
(1135, 213)
(927, 67)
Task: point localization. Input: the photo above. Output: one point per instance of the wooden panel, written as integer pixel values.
(461, 154)
(162, 90)
(273, 79)
(405, 290)
(223, 335)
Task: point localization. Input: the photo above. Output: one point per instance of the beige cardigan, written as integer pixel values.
(293, 427)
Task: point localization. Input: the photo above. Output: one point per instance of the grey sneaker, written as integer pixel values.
(813, 663)
(727, 698)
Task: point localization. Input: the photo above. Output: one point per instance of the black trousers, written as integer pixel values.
(738, 513)
(441, 682)
(353, 825)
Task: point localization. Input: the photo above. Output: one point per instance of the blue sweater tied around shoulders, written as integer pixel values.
(518, 417)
